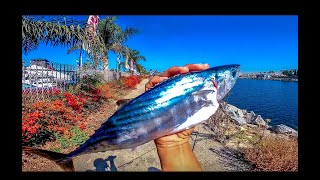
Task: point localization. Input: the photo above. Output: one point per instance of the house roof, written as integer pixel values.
(40, 60)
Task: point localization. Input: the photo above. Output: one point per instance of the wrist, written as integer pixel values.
(177, 156)
(171, 144)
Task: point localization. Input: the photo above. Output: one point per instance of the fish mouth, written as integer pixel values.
(226, 80)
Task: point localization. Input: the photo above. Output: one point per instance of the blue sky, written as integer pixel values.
(257, 43)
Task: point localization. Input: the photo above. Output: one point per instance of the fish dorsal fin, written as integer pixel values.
(122, 102)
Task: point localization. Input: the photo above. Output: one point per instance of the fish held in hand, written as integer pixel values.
(176, 104)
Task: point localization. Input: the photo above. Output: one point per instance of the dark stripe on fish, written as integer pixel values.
(130, 111)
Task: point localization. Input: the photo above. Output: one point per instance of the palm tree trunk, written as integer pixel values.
(118, 65)
(105, 68)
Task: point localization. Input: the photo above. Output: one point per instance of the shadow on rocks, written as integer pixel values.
(233, 159)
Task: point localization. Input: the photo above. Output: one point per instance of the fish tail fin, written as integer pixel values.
(64, 162)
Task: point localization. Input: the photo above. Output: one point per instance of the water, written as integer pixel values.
(277, 100)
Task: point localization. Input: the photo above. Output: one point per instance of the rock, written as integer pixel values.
(283, 129)
(239, 121)
(251, 125)
(249, 117)
(238, 112)
(268, 120)
(259, 121)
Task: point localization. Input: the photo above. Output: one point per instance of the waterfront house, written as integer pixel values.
(41, 74)
(263, 76)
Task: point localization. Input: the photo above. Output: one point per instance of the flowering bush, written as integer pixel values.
(130, 81)
(74, 101)
(43, 119)
(62, 112)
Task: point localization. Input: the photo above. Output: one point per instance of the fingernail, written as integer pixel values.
(184, 67)
(162, 78)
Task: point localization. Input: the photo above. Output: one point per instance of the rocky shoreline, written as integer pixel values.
(274, 79)
(242, 117)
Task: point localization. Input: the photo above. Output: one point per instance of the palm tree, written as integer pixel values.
(135, 56)
(113, 37)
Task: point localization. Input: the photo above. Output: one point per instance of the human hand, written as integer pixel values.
(181, 137)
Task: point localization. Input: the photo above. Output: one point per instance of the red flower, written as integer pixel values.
(83, 125)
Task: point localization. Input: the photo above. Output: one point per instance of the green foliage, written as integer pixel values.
(243, 137)
(286, 72)
(114, 37)
(70, 33)
(89, 82)
(86, 65)
(72, 90)
(135, 56)
(141, 69)
(39, 138)
(77, 138)
(35, 31)
(290, 72)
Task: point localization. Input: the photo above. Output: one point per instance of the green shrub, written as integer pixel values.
(89, 82)
(77, 137)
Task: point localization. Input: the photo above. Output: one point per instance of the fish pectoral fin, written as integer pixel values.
(201, 92)
(122, 102)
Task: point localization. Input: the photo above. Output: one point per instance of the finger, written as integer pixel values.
(153, 81)
(174, 71)
(197, 67)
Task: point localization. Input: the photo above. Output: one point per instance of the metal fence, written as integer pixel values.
(41, 79)
(107, 77)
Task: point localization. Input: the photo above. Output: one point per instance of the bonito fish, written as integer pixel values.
(176, 104)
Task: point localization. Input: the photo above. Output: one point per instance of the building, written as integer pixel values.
(40, 62)
(263, 76)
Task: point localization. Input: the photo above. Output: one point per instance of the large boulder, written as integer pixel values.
(236, 114)
(234, 110)
(259, 121)
(250, 117)
(239, 121)
(283, 129)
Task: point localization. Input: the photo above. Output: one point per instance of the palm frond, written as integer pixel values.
(74, 48)
(54, 33)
